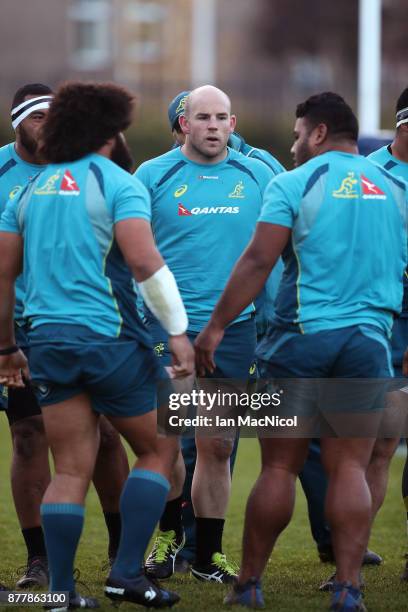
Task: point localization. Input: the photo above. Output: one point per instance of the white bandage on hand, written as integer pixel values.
(161, 295)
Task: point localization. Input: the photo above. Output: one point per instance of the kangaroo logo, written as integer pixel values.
(346, 189)
(238, 189)
(182, 105)
(159, 349)
(49, 187)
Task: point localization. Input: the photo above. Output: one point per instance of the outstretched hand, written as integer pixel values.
(205, 346)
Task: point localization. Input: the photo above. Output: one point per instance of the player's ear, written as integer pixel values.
(233, 123)
(184, 124)
(320, 134)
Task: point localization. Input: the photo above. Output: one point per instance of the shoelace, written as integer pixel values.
(164, 541)
(224, 565)
(76, 576)
(34, 568)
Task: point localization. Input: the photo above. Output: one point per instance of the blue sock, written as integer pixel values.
(62, 525)
(141, 505)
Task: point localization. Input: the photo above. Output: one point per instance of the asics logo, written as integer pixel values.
(180, 191)
(150, 594)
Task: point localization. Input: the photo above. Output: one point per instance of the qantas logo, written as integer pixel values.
(370, 190)
(183, 212)
(207, 210)
(68, 185)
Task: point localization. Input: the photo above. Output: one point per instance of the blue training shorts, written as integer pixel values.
(315, 367)
(118, 374)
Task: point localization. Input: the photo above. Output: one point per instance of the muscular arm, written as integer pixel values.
(11, 257)
(159, 289)
(135, 240)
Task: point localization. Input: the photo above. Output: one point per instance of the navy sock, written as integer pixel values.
(34, 540)
(113, 523)
(171, 518)
(209, 538)
(141, 505)
(62, 525)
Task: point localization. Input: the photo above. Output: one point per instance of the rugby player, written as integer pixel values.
(205, 201)
(312, 477)
(20, 161)
(394, 158)
(161, 560)
(329, 322)
(85, 223)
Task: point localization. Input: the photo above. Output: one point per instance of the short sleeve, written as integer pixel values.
(8, 220)
(142, 173)
(279, 203)
(132, 201)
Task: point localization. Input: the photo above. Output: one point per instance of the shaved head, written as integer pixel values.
(207, 124)
(205, 95)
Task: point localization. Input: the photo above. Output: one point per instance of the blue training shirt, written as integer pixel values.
(74, 272)
(265, 302)
(384, 158)
(348, 250)
(203, 217)
(14, 175)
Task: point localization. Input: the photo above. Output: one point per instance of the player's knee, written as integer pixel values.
(28, 438)
(216, 449)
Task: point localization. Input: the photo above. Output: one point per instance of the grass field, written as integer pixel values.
(293, 574)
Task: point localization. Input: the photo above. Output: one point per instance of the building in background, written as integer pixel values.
(141, 43)
(267, 54)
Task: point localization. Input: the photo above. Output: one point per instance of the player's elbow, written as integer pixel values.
(144, 265)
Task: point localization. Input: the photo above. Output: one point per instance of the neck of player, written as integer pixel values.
(30, 158)
(399, 148)
(342, 146)
(196, 156)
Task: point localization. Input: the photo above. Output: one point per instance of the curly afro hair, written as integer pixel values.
(82, 117)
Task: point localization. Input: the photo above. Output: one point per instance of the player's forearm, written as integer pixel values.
(7, 301)
(245, 283)
(161, 295)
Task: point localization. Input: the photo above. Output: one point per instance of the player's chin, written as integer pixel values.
(213, 148)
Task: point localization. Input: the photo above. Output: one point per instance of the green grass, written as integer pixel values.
(293, 573)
